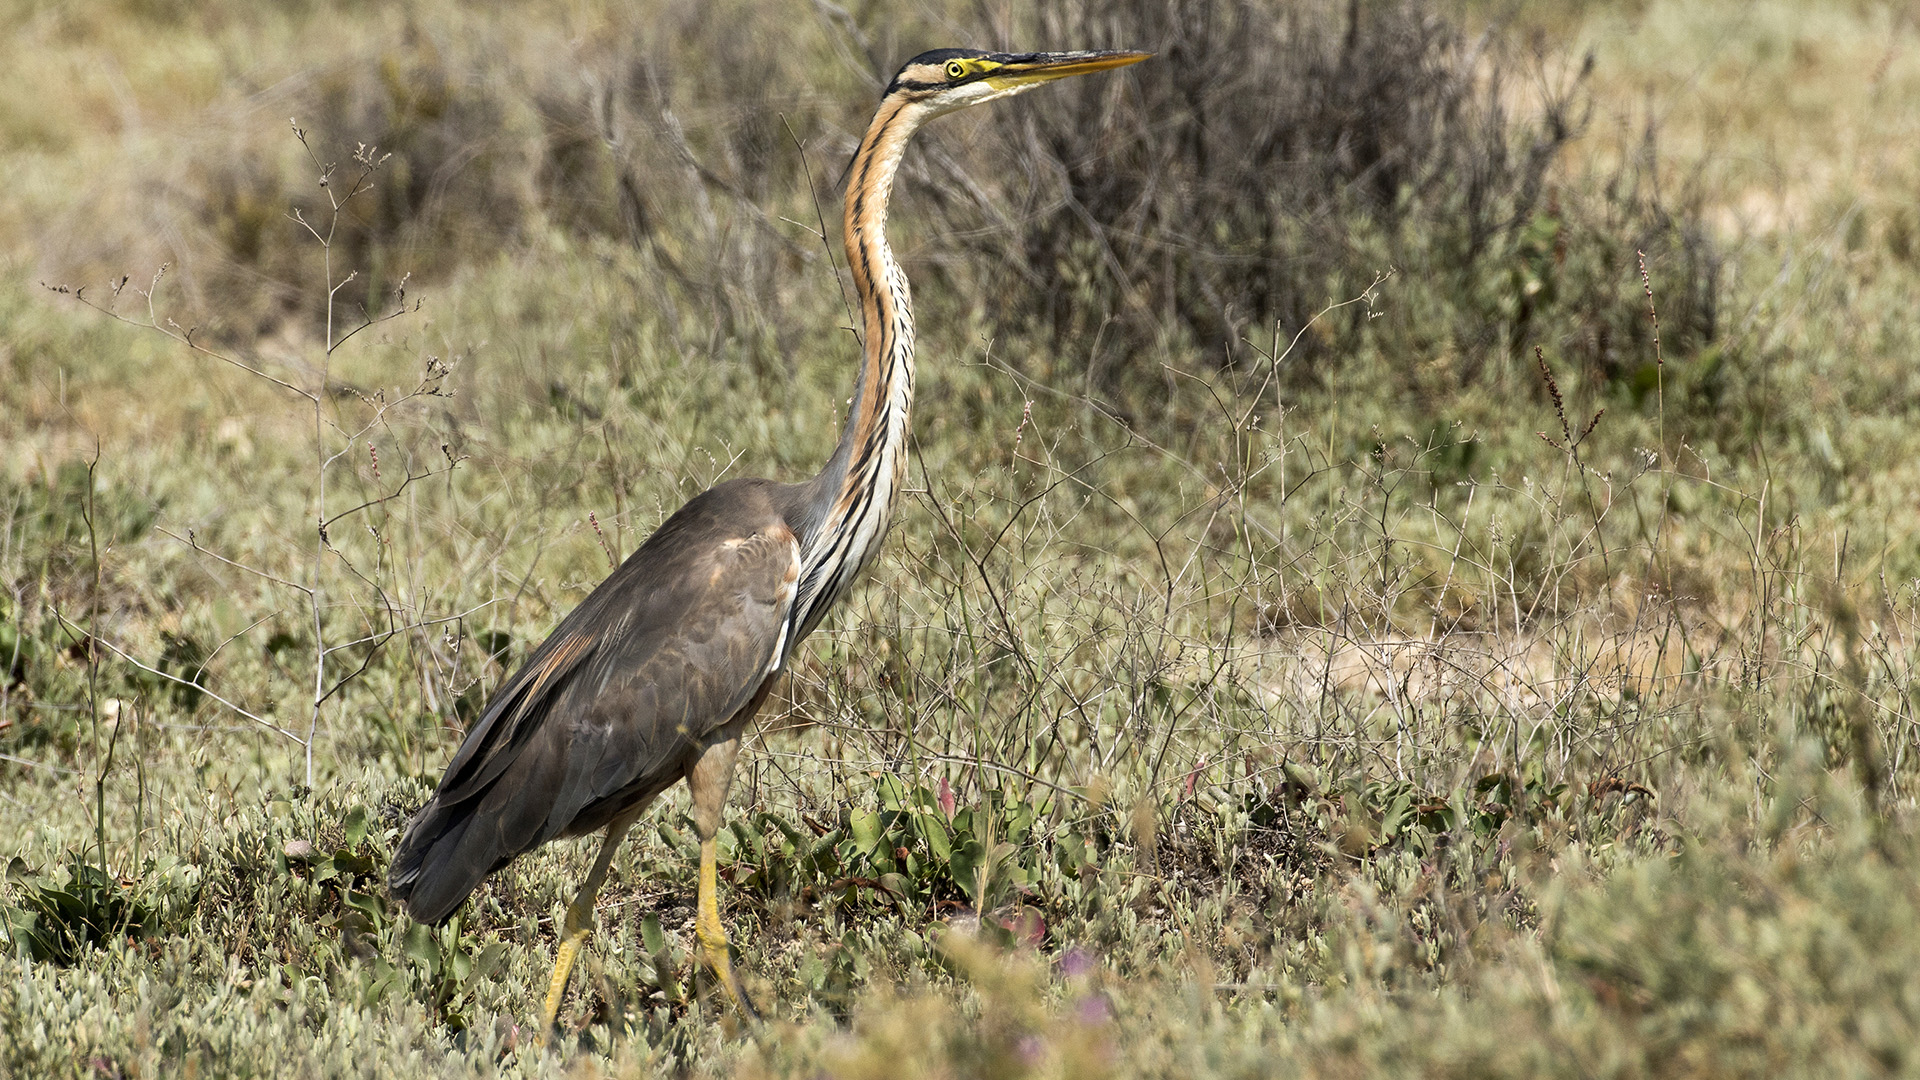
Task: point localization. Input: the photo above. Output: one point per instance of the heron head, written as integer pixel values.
(947, 79)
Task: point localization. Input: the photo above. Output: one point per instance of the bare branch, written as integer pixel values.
(262, 721)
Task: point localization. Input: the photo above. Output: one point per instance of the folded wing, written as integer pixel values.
(615, 705)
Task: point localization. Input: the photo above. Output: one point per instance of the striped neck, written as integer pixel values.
(853, 497)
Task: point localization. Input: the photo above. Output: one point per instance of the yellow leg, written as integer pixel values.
(579, 925)
(580, 922)
(712, 935)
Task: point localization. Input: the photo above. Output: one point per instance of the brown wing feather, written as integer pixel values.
(607, 712)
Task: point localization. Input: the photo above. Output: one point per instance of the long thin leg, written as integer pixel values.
(708, 779)
(580, 919)
(713, 935)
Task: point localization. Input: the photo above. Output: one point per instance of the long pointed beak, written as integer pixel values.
(1045, 67)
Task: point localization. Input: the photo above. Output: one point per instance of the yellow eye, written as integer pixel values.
(956, 70)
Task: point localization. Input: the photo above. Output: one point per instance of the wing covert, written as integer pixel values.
(613, 706)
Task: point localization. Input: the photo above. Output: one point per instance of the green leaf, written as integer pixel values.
(460, 966)
(356, 826)
(897, 886)
(1070, 851)
(489, 960)
(370, 906)
(793, 835)
(673, 837)
(1390, 825)
(1019, 821)
(650, 935)
(23, 927)
(865, 825)
(346, 862)
(965, 871)
(1440, 819)
(936, 834)
(421, 948)
(750, 841)
(377, 988)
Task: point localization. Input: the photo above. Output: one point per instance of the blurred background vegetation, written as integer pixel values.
(1410, 566)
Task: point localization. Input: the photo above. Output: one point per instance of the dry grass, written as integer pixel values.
(1353, 707)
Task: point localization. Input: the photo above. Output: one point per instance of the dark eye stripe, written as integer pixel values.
(943, 77)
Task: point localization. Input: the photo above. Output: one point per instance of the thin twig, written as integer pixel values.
(262, 721)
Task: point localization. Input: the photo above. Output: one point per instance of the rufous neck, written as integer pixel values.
(854, 495)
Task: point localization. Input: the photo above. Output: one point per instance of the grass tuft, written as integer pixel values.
(1325, 634)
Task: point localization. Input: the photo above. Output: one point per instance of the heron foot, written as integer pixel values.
(713, 936)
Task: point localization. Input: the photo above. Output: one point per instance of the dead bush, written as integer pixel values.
(1277, 157)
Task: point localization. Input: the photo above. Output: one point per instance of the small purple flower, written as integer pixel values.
(1030, 1050)
(1092, 1010)
(1076, 962)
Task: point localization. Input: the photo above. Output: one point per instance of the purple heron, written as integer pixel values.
(656, 675)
